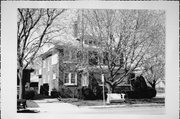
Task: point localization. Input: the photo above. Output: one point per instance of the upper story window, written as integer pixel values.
(119, 60)
(73, 54)
(70, 78)
(105, 58)
(66, 54)
(79, 56)
(91, 42)
(70, 55)
(93, 58)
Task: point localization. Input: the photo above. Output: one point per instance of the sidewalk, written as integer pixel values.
(54, 105)
(124, 106)
(54, 109)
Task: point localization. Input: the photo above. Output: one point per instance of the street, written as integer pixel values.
(53, 108)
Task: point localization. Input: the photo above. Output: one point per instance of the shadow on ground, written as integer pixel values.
(27, 111)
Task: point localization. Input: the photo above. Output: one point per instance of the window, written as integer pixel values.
(86, 42)
(85, 81)
(93, 58)
(70, 78)
(122, 59)
(105, 58)
(73, 78)
(73, 55)
(66, 78)
(79, 56)
(66, 54)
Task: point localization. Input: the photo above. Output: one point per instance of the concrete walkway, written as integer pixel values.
(55, 106)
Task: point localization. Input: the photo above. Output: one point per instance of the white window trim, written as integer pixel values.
(85, 82)
(69, 75)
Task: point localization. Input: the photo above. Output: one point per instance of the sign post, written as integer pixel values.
(103, 89)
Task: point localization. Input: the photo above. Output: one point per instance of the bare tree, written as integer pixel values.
(35, 27)
(154, 71)
(124, 39)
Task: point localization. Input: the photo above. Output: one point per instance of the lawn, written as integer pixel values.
(127, 101)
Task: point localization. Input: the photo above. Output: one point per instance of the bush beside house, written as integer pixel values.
(140, 89)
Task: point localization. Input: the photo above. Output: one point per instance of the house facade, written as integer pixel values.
(71, 67)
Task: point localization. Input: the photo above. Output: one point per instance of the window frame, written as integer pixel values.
(66, 55)
(69, 78)
(93, 59)
(85, 81)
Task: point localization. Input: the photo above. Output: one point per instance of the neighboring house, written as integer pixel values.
(34, 81)
(26, 79)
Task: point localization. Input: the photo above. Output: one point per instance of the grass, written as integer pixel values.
(83, 102)
(127, 101)
(144, 101)
(41, 97)
(31, 104)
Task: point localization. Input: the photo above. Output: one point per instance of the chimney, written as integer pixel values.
(75, 29)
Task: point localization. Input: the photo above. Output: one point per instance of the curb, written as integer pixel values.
(123, 105)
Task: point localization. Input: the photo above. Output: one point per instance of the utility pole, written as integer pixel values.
(103, 89)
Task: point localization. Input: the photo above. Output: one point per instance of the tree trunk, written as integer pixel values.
(21, 84)
(153, 84)
(110, 88)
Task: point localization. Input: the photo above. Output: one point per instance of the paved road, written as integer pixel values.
(51, 109)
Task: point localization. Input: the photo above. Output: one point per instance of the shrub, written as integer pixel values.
(44, 89)
(65, 92)
(85, 93)
(88, 93)
(79, 93)
(148, 93)
(29, 94)
(54, 93)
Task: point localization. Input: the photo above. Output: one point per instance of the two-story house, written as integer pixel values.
(70, 66)
(73, 64)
